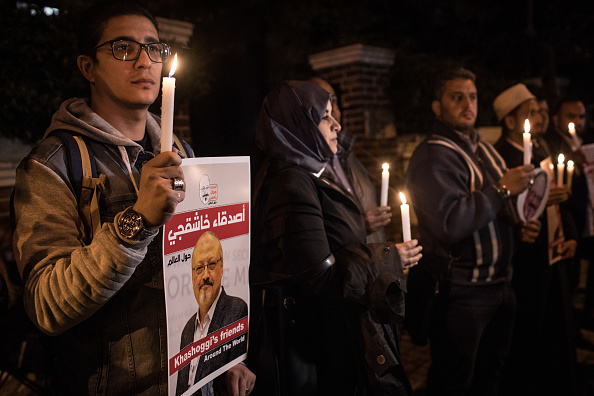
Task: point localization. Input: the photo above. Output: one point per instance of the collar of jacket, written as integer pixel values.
(325, 178)
(446, 130)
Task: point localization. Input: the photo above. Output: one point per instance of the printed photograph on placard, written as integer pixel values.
(206, 264)
(554, 229)
(533, 201)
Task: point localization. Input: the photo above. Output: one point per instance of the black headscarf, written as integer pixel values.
(288, 125)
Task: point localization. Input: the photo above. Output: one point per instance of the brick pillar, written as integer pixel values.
(362, 74)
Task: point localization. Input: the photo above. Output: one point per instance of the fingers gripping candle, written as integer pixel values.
(168, 100)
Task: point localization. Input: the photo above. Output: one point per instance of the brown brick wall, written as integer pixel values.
(362, 87)
(363, 90)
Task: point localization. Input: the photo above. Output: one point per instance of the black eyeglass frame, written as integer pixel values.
(199, 270)
(166, 53)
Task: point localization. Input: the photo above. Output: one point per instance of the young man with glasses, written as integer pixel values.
(101, 301)
(216, 310)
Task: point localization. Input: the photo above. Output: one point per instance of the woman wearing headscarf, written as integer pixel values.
(326, 304)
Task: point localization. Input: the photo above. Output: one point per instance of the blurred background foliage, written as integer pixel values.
(37, 71)
(241, 48)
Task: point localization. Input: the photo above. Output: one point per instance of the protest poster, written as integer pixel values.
(212, 269)
(555, 232)
(532, 202)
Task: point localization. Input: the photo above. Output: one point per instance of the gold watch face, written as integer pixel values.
(130, 224)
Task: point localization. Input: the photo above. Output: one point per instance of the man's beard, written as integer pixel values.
(206, 296)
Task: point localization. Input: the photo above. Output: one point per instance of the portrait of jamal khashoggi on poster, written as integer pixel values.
(206, 251)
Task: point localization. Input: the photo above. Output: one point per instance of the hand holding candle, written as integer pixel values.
(409, 250)
(385, 182)
(405, 213)
(527, 143)
(167, 106)
(560, 169)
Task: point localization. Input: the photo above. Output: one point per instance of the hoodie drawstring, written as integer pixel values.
(126, 160)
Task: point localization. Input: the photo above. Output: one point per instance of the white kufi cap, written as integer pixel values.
(509, 99)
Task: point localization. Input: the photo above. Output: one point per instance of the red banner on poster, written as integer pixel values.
(184, 229)
(226, 335)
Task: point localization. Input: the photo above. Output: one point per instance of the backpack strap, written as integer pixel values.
(74, 158)
(91, 185)
(82, 172)
(179, 145)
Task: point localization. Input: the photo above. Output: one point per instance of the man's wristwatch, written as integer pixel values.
(130, 225)
(502, 190)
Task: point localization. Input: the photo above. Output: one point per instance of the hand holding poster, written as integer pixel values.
(206, 262)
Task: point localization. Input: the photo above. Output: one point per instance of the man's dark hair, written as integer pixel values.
(537, 91)
(448, 75)
(93, 21)
(563, 100)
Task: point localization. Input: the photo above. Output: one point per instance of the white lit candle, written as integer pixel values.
(167, 103)
(385, 181)
(569, 173)
(576, 141)
(405, 214)
(527, 143)
(560, 168)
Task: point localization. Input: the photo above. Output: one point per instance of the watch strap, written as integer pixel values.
(502, 190)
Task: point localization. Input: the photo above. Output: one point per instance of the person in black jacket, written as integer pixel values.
(376, 217)
(461, 192)
(542, 356)
(331, 302)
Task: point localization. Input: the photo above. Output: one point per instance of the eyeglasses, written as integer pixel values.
(211, 266)
(129, 50)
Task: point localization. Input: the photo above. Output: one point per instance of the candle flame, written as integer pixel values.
(402, 198)
(173, 66)
(561, 158)
(527, 126)
(571, 127)
(385, 166)
(570, 164)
